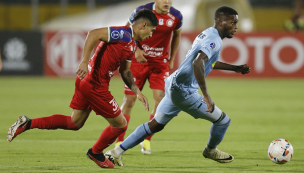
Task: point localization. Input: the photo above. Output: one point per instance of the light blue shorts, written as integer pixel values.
(177, 99)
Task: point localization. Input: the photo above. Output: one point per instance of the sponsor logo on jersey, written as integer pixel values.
(169, 23)
(161, 21)
(212, 45)
(115, 34)
(153, 51)
(170, 15)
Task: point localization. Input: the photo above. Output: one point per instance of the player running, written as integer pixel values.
(155, 58)
(182, 90)
(92, 85)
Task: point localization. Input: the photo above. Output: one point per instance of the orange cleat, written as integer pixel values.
(100, 159)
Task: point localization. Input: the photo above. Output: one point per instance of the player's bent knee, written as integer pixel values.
(155, 126)
(223, 120)
(73, 126)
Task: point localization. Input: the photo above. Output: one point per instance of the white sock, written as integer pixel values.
(119, 150)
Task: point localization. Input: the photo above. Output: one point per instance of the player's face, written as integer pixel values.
(230, 26)
(162, 6)
(146, 32)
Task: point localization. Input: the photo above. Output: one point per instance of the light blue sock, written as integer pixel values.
(137, 136)
(218, 130)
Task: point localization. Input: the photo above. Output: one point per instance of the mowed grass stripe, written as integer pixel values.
(261, 111)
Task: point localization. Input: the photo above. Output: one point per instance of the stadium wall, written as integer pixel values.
(21, 53)
(58, 53)
(270, 54)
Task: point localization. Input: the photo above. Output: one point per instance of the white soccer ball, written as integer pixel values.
(280, 151)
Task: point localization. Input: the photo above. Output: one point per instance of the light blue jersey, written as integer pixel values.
(209, 42)
(182, 94)
(181, 86)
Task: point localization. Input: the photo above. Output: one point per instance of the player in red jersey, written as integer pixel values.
(155, 57)
(92, 84)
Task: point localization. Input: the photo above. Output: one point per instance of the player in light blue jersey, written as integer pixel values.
(182, 87)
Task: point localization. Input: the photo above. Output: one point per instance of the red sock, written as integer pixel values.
(107, 137)
(149, 137)
(56, 121)
(121, 137)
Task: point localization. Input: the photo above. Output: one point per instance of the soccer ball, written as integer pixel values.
(280, 151)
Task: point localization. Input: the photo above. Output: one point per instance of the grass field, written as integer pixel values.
(261, 111)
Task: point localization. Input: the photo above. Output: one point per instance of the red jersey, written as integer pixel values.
(109, 55)
(157, 47)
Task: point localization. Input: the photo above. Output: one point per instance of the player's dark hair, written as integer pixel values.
(146, 14)
(226, 11)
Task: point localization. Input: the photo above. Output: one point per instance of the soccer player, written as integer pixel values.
(156, 58)
(182, 86)
(92, 84)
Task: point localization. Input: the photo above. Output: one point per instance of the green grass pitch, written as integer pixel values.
(261, 111)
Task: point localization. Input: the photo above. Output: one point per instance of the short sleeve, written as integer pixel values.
(131, 18)
(119, 34)
(209, 46)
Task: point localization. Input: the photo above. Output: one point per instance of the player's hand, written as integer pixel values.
(171, 65)
(244, 69)
(144, 100)
(82, 69)
(139, 56)
(210, 104)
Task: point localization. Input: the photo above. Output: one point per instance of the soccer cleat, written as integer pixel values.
(217, 155)
(114, 157)
(145, 147)
(100, 159)
(118, 143)
(17, 128)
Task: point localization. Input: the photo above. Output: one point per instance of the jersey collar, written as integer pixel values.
(132, 31)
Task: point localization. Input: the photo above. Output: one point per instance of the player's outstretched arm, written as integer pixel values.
(92, 38)
(199, 72)
(244, 69)
(127, 77)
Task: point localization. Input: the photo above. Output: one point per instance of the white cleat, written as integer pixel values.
(114, 157)
(18, 127)
(217, 155)
(145, 147)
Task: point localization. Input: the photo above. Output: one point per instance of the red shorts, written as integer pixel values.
(155, 73)
(98, 99)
